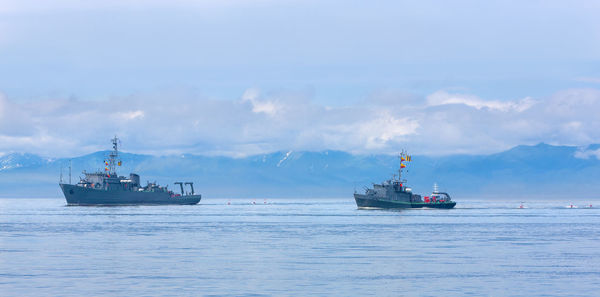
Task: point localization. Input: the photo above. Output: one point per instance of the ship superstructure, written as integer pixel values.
(108, 188)
(394, 193)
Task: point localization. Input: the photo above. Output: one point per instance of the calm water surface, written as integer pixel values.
(298, 247)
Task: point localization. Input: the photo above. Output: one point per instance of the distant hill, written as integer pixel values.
(521, 172)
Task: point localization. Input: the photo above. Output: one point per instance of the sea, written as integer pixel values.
(300, 247)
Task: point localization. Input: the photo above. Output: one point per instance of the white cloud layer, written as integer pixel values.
(443, 98)
(441, 123)
(586, 154)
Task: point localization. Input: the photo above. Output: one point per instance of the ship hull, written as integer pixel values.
(76, 195)
(446, 205)
(364, 201)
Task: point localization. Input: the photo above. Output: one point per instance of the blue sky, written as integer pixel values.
(245, 77)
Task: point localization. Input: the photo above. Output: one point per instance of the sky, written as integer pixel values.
(238, 78)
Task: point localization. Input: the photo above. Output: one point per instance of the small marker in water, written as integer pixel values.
(265, 202)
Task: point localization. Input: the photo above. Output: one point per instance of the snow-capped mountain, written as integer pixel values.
(524, 171)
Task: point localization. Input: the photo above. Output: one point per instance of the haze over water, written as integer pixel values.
(298, 247)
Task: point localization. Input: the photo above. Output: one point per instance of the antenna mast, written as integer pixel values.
(112, 158)
(70, 171)
(400, 167)
(403, 157)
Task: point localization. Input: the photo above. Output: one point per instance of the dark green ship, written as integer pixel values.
(394, 193)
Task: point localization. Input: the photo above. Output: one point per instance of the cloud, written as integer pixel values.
(165, 123)
(381, 129)
(131, 115)
(443, 98)
(259, 106)
(586, 154)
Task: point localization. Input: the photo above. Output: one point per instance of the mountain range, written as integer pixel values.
(538, 171)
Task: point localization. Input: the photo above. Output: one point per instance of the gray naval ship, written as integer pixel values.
(108, 188)
(394, 193)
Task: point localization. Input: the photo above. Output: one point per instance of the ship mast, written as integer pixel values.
(112, 157)
(403, 157)
(400, 167)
